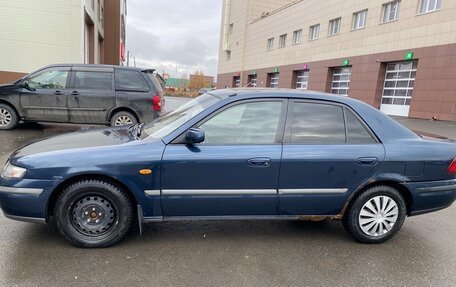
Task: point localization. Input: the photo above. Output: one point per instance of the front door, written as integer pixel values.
(327, 154)
(234, 172)
(92, 96)
(46, 100)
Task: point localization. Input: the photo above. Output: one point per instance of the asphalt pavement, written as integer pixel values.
(252, 253)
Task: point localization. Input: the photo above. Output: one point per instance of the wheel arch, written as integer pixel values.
(122, 109)
(11, 106)
(405, 193)
(56, 192)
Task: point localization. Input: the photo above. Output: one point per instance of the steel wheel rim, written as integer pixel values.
(123, 121)
(378, 216)
(5, 117)
(93, 216)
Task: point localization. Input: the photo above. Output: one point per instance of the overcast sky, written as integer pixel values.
(174, 33)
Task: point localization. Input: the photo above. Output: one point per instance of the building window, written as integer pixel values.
(228, 55)
(282, 41)
(252, 81)
(297, 35)
(430, 5)
(399, 83)
(314, 32)
(302, 79)
(341, 81)
(270, 44)
(390, 11)
(334, 26)
(236, 82)
(231, 28)
(273, 80)
(359, 19)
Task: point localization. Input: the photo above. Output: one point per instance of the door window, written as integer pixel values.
(357, 133)
(317, 124)
(130, 81)
(93, 81)
(248, 123)
(49, 79)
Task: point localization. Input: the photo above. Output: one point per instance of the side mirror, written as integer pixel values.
(194, 136)
(25, 85)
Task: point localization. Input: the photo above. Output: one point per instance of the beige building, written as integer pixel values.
(37, 33)
(399, 56)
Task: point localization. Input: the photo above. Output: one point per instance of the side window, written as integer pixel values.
(93, 80)
(356, 131)
(248, 123)
(130, 81)
(317, 124)
(49, 79)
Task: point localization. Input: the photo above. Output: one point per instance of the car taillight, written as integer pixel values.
(452, 167)
(157, 103)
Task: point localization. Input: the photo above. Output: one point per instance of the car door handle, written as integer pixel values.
(58, 93)
(367, 161)
(259, 162)
(75, 93)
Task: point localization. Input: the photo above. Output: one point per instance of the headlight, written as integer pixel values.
(13, 172)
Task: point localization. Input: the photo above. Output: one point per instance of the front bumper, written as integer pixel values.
(431, 195)
(26, 199)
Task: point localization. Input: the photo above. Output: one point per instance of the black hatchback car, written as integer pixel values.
(84, 94)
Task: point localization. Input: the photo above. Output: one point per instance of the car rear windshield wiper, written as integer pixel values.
(135, 130)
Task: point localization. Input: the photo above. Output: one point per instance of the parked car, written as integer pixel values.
(83, 94)
(204, 90)
(234, 155)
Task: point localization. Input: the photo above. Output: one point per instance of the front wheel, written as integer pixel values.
(8, 117)
(93, 213)
(376, 215)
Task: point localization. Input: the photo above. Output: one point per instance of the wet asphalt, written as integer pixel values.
(268, 253)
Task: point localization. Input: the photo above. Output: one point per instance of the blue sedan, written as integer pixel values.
(234, 155)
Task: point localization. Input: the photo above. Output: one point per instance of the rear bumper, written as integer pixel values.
(431, 195)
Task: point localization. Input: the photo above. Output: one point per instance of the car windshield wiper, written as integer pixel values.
(135, 130)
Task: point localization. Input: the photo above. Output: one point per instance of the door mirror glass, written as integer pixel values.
(194, 136)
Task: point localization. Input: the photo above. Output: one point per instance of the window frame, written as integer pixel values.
(270, 44)
(282, 41)
(280, 129)
(332, 25)
(345, 109)
(297, 75)
(296, 38)
(438, 6)
(311, 32)
(386, 7)
(356, 21)
(270, 77)
(333, 74)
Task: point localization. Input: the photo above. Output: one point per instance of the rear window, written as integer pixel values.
(93, 80)
(156, 81)
(131, 81)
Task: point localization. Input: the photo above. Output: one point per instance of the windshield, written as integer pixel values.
(163, 126)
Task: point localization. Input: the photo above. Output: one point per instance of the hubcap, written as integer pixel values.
(378, 216)
(5, 117)
(123, 121)
(93, 215)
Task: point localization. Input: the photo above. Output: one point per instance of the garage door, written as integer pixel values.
(398, 88)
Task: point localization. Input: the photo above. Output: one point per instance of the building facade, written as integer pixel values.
(41, 32)
(398, 56)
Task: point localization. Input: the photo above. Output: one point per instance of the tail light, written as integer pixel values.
(452, 167)
(157, 103)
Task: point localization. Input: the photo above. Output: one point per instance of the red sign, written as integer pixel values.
(122, 51)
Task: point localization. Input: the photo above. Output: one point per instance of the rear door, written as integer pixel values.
(92, 95)
(48, 99)
(328, 152)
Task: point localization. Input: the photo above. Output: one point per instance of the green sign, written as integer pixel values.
(276, 70)
(254, 72)
(346, 62)
(409, 56)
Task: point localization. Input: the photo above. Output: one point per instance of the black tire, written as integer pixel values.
(123, 119)
(352, 216)
(109, 201)
(8, 117)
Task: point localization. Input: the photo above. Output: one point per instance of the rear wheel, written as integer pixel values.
(123, 119)
(93, 213)
(376, 215)
(8, 117)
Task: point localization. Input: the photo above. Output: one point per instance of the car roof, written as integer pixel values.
(98, 66)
